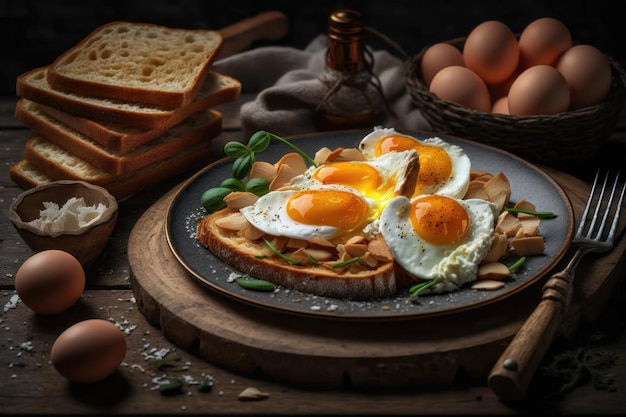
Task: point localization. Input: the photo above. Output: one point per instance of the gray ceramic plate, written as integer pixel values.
(526, 182)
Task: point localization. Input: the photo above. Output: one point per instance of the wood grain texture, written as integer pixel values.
(317, 353)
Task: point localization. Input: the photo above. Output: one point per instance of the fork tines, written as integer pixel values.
(606, 206)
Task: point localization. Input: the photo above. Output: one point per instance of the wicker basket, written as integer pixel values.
(557, 140)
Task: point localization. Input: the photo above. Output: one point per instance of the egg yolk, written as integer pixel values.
(435, 163)
(360, 176)
(341, 209)
(438, 219)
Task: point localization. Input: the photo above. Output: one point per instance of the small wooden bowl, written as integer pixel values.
(85, 243)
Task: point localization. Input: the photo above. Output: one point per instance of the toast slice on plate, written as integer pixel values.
(377, 275)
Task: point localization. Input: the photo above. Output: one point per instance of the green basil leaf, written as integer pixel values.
(235, 149)
(233, 183)
(258, 186)
(213, 198)
(242, 166)
(259, 141)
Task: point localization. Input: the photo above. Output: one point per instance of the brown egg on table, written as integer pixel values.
(588, 73)
(491, 50)
(437, 57)
(462, 86)
(543, 41)
(88, 351)
(50, 281)
(540, 90)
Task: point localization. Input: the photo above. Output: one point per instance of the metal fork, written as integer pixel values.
(511, 375)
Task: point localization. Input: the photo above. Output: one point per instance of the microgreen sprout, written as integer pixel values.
(417, 288)
(255, 284)
(244, 158)
(205, 386)
(279, 253)
(162, 364)
(313, 260)
(541, 214)
(346, 263)
(174, 387)
(515, 266)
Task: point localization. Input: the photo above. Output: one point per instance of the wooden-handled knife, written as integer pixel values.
(271, 25)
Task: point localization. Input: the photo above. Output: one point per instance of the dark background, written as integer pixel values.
(35, 32)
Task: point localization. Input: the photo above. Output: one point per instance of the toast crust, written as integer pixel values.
(120, 125)
(197, 128)
(361, 284)
(27, 174)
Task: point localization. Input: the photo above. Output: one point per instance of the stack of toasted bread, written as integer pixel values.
(127, 107)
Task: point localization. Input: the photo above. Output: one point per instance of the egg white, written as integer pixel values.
(451, 265)
(457, 183)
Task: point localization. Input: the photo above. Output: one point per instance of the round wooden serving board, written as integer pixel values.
(330, 354)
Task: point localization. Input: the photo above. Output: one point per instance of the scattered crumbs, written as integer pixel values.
(316, 308)
(27, 346)
(233, 276)
(139, 368)
(165, 383)
(124, 325)
(12, 303)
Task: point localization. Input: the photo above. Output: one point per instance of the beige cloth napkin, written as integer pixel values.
(280, 88)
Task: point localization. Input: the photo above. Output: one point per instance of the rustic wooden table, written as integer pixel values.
(30, 385)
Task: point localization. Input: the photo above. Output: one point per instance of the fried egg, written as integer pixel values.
(378, 179)
(439, 237)
(444, 168)
(325, 211)
(335, 200)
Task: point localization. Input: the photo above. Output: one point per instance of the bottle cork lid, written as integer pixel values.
(345, 22)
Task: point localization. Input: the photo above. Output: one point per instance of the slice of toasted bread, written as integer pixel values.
(119, 125)
(255, 258)
(139, 63)
(27, 175)
(199, 127)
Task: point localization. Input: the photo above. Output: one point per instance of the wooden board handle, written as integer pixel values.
(511, 375)
(272, 25)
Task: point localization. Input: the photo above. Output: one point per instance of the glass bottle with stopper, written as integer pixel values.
(350, 98)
